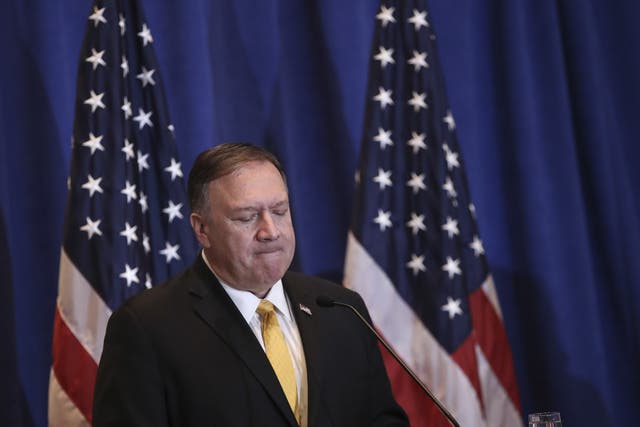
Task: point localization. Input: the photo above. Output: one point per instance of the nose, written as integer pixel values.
(267, 229)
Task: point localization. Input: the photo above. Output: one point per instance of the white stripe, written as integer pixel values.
(498, 407)
(408, 336)
(62, 411)
(489, 289)
(81, 308)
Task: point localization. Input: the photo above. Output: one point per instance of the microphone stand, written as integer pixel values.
(327, 302)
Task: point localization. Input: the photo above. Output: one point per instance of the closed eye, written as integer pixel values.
(246, 218)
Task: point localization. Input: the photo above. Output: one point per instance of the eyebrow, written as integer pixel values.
(281, 203)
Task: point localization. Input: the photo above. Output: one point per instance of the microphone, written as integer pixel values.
(325, 301)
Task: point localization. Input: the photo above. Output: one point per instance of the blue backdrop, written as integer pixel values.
(545, 94)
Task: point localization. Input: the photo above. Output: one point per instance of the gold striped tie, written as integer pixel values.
(278, 354)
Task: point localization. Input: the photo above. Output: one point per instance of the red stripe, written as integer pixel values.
(73, 366)
(465, 357)
(494, 343)
(422, 412)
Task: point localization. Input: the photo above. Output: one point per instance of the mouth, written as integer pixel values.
(268, 251)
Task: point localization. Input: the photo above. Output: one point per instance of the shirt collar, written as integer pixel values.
(247, 303)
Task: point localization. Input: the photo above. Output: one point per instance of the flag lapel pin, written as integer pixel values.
(305, 309)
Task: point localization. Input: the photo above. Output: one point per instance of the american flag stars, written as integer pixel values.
(175, 169)
(98, 16)
(173, 211)
(122, 24)
(383, 179)
(452, 267)
(124, 64)
(384, 97)
(383, 219)
(93, 185)
(452, 307)
(96, 58)
(449, 120)
(419, 19)
(413, 243)
(449, 188)
(142, 161)
(128, 150)
(417, 142)
(385, 56)
(145, 243)
(126, 108)
(451, 157)
(146, 77)
(415, 188)
(416, 182)
(124, 170)
(418, 60)
(170, 252)
(129, 190)
(142, 201)
(92, 227)
(143, 118)
(129, 233)
(95, 101)
(130, 275)
(418, 101)
(145, 35)
(93, 143)
(416, 223)
(416, 264)
(386, 15)
(476, 245)
(132, 223)
(383, 138)
(451, 227)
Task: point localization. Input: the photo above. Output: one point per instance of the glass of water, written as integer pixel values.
(545, 419)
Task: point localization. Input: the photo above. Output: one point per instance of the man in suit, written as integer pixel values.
(236, 340)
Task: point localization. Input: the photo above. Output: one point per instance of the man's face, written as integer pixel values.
(247, 234)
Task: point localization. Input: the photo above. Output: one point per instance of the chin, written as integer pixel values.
(269, 276)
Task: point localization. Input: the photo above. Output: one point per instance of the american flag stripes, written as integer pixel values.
(414, 251)
(126, 225)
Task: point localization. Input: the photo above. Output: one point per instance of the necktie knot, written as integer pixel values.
(265, 307)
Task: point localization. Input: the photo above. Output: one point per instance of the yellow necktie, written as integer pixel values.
(278, 353)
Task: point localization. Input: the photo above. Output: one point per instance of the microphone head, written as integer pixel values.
(325, 301)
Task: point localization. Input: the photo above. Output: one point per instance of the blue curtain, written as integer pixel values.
(545, 94)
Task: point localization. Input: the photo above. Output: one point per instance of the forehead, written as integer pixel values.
(252, 182)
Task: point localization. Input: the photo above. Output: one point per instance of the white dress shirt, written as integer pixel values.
(247, 303)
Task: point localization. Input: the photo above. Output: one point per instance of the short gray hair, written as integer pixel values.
(219, 161)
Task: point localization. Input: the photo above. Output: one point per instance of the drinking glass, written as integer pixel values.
(545, 419)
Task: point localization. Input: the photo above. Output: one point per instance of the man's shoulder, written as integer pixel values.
(318, 286)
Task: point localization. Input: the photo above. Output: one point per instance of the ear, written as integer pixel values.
(200, 229)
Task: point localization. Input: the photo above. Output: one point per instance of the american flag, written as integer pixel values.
(126, 225)
(414, 252)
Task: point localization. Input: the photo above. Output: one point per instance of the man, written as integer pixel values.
(236, 340)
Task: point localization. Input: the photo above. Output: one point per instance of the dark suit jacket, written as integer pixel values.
(182, 355)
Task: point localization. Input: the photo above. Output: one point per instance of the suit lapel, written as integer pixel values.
(304, 306)
(216, 309)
